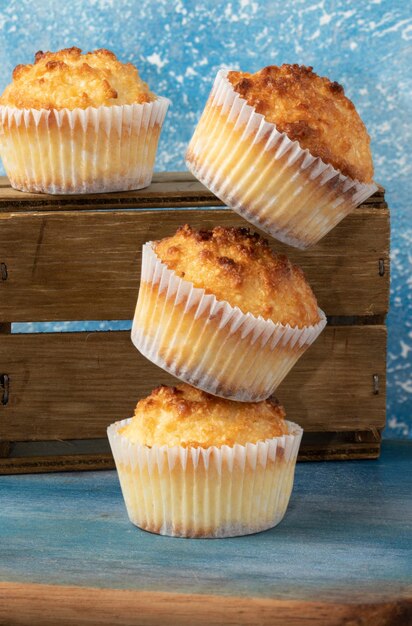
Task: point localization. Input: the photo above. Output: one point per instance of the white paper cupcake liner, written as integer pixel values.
(93, 150)
(208, 343)
(206, 492)
(264, 176)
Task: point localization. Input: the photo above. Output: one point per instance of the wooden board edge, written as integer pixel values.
(172, 176)
(339, 452)
(58, 463)
(156, 203)
(89, 462)
(193, 193)
(38, 604)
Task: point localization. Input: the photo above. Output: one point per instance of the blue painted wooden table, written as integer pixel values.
(68, 553)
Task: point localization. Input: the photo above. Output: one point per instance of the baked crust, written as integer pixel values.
(238, 266)
(70, 79)
(312, 110)
(189, 417)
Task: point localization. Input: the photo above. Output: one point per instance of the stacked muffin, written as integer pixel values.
(194, 465)
(218, 309)
(222, 312)
(284, 148)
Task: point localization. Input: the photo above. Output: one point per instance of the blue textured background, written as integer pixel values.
(179, 45)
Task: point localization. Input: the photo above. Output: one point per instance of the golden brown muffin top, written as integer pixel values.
(239, 267)
(312, 110)
(70, 79)
(185, 416)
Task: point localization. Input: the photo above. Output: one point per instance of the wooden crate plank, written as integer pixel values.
(56, 463)
(72, 385)
(24, 604)
(96, 462)
(31, 457)
(86, 265)
(168, 189)
(87, 462)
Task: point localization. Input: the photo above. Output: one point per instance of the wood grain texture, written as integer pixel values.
(48, 605)
(345, 540)
(86, 265)
(168, 189)
(72, 385)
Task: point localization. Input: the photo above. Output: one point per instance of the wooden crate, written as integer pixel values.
(78, 258)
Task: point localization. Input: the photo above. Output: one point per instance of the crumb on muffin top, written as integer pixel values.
(189, 417)
(70, 79)
(239, 267)
(313, 111)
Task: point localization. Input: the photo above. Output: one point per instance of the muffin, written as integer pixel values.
(284, 148)
(193, 465)
(79, 123)
(221, 311)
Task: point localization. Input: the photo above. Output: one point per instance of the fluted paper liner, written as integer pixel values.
(208, 343)
(93, 150)
(264, 176)
(206, 492)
